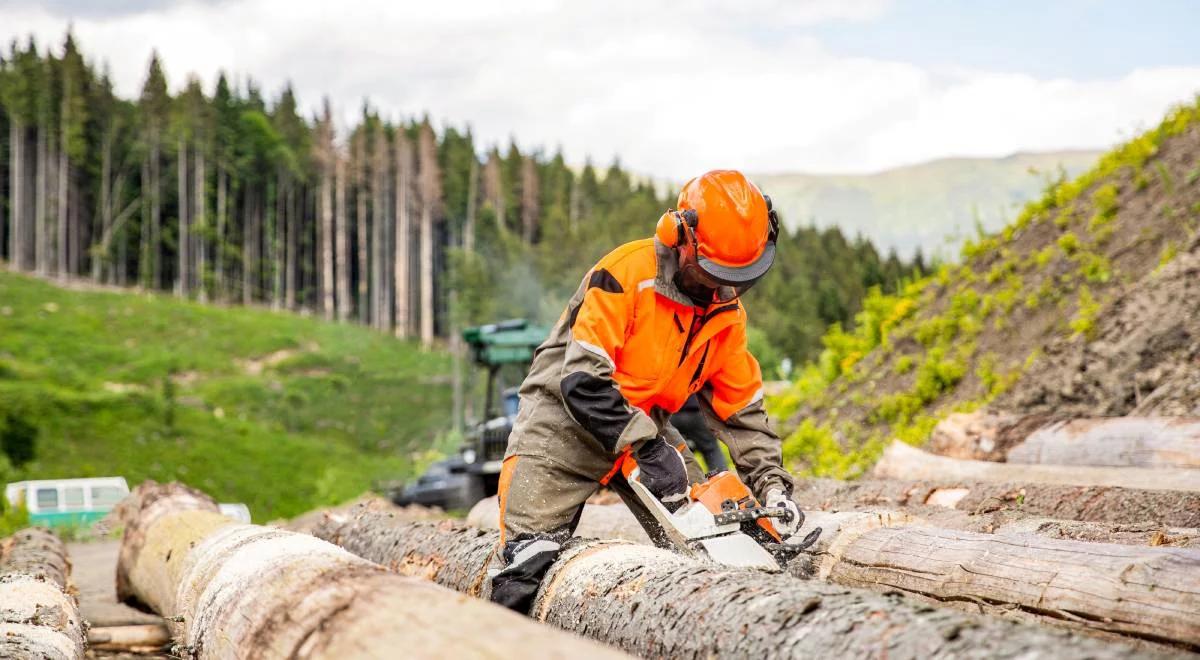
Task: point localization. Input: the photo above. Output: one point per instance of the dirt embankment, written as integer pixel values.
(1145, 359)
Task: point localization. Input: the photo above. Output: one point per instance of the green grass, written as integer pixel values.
(148, 387)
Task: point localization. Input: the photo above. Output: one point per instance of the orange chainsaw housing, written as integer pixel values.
(725, 486)
(713, 493)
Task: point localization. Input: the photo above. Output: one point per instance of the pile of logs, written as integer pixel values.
(233, 590)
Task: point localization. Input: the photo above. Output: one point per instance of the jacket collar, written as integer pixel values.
(664, 279)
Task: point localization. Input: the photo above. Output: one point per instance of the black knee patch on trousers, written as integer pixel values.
(516, 586)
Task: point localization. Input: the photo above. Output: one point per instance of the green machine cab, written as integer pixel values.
(504, 350)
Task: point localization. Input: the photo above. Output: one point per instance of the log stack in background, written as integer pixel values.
(39, 617)
(234, 591)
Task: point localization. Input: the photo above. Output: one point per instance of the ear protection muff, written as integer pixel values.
(675, 227)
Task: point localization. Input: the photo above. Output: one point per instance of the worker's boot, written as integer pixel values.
(526, 560)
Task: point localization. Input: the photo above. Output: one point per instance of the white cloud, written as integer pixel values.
(672, 87)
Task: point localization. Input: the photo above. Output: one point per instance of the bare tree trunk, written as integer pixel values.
(274, 262)
(431, 200)
(102, 259)
(361, 173)
(16, 194)
(403, 264)
(249, 239)
(200, 224)
(156, 256)
(41, 616)
(183, 242)
(222, 224)
(40, 229)
(378, 218)
(292, 246)
(530, 200)
(144, 271)
(427, 327)
(238, 591)
(342, 236)
(63, 260)
(634, 597)
(1124, 506)
(325, 237)
(902, 461)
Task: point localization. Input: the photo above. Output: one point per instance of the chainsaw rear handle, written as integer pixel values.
(751, 514)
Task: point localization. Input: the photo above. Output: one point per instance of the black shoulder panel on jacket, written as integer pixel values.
(604, 280)
(597, 405)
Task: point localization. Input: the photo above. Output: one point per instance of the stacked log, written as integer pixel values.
(902, 461)
(232, 590)
(1144, 442)
(1098, 504)
(39, 617)
(656, 603)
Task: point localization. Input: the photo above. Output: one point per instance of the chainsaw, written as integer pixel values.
(721, 521)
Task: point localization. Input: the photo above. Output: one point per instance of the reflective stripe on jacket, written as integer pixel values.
(630, 349)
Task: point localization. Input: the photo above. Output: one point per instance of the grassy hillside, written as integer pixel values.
(933, 206)
(967, 335)
(278, 411)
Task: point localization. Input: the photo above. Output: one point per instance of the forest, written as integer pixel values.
(234, 196)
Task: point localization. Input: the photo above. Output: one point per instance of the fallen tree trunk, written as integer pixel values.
(1122, 506)
(39, 618)
(1145, 442)
(232, 590)
(655, 603)
(902, 461)
(1015, 564)
(1147, 592)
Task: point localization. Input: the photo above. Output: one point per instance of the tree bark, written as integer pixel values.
(102, 258)
(39, 618)
(199, 222)
(378, 239)
(326, 285)
(41, 237)
(292, 230)
(431, 199)
(182, 288)
(343, 243)
(361, 174)
(237, 591)
(1144, 442)
(472, 195)
(403, 239)
(902, 461)
(219, 251)
(16, 193)
(63, 208)
(1153, 593)
(1123, 506)
(655, 603)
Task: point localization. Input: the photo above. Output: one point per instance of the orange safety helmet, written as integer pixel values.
(725, 227)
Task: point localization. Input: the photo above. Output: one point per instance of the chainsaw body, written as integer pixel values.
(721, 521)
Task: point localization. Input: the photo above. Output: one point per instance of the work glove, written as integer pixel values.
(662, 471)
(776, 497)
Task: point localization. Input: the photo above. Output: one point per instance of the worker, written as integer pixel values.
(654, 322)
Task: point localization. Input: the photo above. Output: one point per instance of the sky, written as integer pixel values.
(675, 87)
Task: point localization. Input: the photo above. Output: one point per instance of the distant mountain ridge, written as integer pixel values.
(932, 206)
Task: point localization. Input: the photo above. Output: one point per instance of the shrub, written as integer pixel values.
(1068, 243)
(18, 439)
(1084, 322)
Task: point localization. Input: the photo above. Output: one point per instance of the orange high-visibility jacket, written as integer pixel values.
(631, 348)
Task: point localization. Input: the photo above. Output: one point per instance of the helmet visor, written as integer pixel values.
(727, 282)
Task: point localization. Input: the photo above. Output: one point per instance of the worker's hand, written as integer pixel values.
(776, 497)
(662, 471)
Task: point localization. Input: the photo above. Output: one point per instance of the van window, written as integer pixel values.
(47, 498)
(106, 496)
(73, 497)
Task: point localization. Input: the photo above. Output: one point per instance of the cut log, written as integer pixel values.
(1148, 592)
(902, 461)
(232, 590)
(39, 618)
(1145, 442)
(1122, 506)
(598, 521)
(978, 435)
(655, 603)
(128, 638)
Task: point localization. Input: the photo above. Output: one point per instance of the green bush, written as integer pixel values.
(1068, 243)
(1084, 322)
